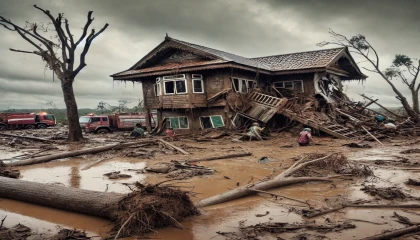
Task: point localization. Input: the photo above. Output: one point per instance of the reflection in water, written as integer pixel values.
(75, 177)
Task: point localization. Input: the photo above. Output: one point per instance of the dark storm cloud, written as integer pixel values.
(245, 27)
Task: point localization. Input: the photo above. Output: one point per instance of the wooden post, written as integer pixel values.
(148, 120)
(367, 105)
(384, 108)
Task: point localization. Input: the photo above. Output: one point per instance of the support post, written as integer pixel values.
(148, 120)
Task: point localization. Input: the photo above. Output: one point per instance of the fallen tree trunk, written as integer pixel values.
(394, 233)
(68, 154)
(25, 137)
(146, 208)
(70, 199)
(283, 179)
(234, 155)
(247, 190)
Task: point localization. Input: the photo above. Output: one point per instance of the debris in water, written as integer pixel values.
(116, 175)
(408, 151)
(385, 193)
(413, 182)
(357, 145)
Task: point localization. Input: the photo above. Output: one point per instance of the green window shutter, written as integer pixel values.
(217, 121)
(183, 122)
(174, 122)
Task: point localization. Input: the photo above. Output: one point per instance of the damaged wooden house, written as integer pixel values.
(195, 87)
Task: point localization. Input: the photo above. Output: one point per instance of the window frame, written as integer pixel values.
(293, 84)
(174, 79)
(211, 120)
(240, 82)
(197, 77)
(157, 88)
(188, 121)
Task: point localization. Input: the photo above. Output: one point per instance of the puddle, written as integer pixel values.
(71, 174)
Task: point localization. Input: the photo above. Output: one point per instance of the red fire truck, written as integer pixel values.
(26, 120)
(108, 123)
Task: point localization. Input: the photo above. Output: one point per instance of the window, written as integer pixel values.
(104, 119)
(178, 122)
(175, 84)
(243, 85)
(296, 85)
(49, 117)
(84, 120)
(197, 83)
(215, 121)
(95, 119)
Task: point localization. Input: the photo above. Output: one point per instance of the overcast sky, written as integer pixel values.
(250, 28)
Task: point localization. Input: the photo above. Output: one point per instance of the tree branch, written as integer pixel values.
(22, 51)
(370, 70)
(89, 21)
(69, 33)
(29, 40)
(89, 40)
(5, 26)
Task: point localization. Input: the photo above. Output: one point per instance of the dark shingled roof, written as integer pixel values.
(284, 62)
(225, 55)
(300, 60)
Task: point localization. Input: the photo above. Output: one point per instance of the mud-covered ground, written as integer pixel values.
(391, 170)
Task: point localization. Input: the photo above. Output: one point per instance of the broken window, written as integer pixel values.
(236, 84)
(157, 87)
(175, 84)
(296, 85)
(243, 85)
(215, 121)
(178, 122)
(197, 83)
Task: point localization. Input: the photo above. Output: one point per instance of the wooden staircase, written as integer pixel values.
(330, 128)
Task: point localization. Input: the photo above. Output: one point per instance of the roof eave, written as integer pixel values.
(189, 69)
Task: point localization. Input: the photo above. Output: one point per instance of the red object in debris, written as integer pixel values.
(26, 120)
(117, 121)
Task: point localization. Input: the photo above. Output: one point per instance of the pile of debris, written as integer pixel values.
(338, 116)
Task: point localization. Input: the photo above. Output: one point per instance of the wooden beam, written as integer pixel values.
(384, 108)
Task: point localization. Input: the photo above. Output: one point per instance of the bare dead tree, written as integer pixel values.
(62, 63)
(402, 68)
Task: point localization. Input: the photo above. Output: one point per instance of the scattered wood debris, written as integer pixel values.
(385, 193)
(413, 182)
(357, 145)
(409, 151)
(116, 175)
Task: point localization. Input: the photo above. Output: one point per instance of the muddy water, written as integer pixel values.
(230, 173)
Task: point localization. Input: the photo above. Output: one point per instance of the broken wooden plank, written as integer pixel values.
(26, 137)
(174, 147)
(372, 136)
(233, 155)
(384, 108)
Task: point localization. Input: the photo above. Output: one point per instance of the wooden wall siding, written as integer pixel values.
(194, 117)
(149, 93)
(308, 81)
(214, 82)
(182, 57)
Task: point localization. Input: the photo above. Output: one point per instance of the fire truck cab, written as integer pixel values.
(95, 124)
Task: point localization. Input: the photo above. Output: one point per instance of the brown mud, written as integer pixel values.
(229, 174)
